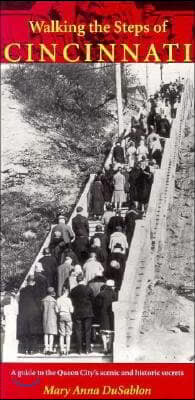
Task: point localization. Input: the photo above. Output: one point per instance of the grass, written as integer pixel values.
(21, 213)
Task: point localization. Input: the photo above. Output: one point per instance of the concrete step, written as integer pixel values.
(72, 358)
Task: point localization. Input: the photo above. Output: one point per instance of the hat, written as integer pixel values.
(51, 291)
(61, 217)
(110, 283)
(115, 264)
(68, 259)
(97, 242)
(77, 269)
(98, 228)
(46, 250)
(79, 209)
(30, 278)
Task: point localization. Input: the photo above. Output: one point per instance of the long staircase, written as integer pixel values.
(140, 266)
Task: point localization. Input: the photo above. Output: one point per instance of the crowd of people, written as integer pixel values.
(74, 284)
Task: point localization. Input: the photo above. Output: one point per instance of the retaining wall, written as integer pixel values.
(148, 238)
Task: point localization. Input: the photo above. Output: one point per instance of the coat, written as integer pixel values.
(92, 268)
(49, 264)
(63, 272)
(82, 299)
(130, 219)
(49, 315)
(96, 283)
(107, 183)
(103, 239)
(97, 198)
(80, 225)
(41, 285)
(104, 302)
(164, 128)
(118, 154)
(115, 221)
(65, 230)
(29, 317)
(140, 184)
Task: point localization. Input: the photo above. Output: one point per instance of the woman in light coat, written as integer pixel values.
(49, 320)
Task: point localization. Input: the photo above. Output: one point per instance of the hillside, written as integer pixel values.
(44, 168)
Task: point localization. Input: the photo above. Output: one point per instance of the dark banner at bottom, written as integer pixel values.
(96, 381)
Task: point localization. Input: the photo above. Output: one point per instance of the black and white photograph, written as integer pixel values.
(97, 212)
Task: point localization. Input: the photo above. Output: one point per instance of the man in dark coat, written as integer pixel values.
(107, 182)
(49, 264)
(103, 240)
(118, 154)
(41, 281)
(164, 127)
(116, 220)
(97, 197)
(130, 219)
(104, 302)
(82, 299)
(30, 318)
(80, 228)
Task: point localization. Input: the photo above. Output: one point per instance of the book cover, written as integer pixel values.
(97, 197)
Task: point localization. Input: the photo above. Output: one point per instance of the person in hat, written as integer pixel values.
(29, 326)
(65, 309)
(80, 226)
(119, 196)
(97, 198)
(150, 138)
(116, 220)
(100, 254)
(41, 281)
(142, 150)
(102, 236)
(104, 302)
(118, 154)
(156, 151)
(130, 221)
(49, 319)
(106, 179)
(62, 231)
(82, 299)
(131, 154)
(92, 267)
(49, 264)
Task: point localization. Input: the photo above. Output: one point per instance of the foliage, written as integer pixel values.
(77, 94)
